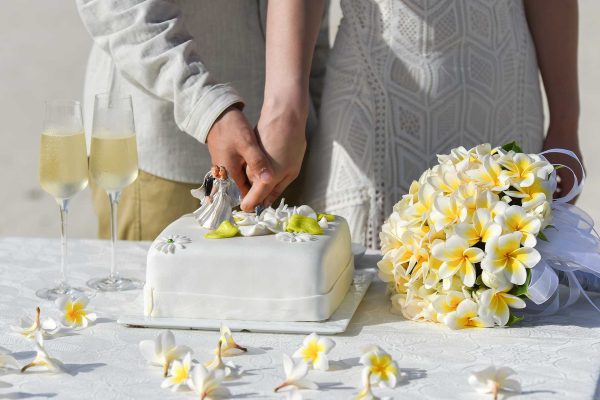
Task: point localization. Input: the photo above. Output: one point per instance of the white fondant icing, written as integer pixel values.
(253, 278)
(293, 237)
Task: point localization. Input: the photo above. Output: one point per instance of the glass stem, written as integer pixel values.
(64, 211)
(114, 202)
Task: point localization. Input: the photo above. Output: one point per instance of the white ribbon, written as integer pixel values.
(573, 245)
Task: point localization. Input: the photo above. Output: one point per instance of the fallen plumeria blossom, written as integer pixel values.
(163, 351)
(29, 328)
(179, 374)
(75, 314)
(366, 393)
(42, 359)
(8, 361)
(230, 370)
(314, 351)
(209, 383)
(381, 367)
(295, 375)
(229, 346)
(492, 380)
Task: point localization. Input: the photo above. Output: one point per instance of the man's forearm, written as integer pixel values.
(554, 27)
(292, 29)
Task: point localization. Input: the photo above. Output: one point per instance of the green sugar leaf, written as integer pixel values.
(224, 231)
(301, 224)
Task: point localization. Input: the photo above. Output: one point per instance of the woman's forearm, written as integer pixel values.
(292, 29)
(554, 27)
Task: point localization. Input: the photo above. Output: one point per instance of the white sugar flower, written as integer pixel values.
(42, 359)
(29, 328)
(179, 375)
(228, 344)
(230, 370)
(169, 244)
(314, 351)
(505, 255)
(75, 314)
(492, 380)
(465, 316)
(295, 375)
(293, 237)
(209, 383)
(163, 351)
(380, 367)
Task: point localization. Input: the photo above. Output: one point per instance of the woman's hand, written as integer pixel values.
(555, 139)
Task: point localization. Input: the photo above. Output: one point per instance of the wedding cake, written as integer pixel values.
(284, 264)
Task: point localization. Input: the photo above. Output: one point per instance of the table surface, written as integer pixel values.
(555, 357)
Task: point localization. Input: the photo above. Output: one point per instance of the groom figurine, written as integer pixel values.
(196, 72)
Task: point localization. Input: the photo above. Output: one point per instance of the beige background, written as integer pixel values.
(44, 48)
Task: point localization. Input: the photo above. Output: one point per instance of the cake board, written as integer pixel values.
(337, 323)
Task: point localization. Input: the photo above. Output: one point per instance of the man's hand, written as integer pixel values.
(283, 138)
(233, 144)
(557, 140)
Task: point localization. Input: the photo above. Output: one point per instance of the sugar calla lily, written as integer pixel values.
(295, 375)
(75, 312)
(228, 344)
(314, 351)
(492, 380)
(163, 351)
(380, 367)
(29, 328)
(209, 383)
(466, 316)
(179, 375)
(42, 359)
(504, 254)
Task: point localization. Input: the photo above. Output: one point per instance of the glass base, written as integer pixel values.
(59, 291)
(111, 284)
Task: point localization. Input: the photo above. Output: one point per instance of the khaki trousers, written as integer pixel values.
(146, 207)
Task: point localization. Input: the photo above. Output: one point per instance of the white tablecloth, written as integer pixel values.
(556, 357)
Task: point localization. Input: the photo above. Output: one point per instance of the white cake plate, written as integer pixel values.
(337, 323)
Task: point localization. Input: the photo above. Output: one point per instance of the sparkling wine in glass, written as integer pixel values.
(63, 173)
(113, 166)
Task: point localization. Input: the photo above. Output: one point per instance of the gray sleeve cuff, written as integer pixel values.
(206, 111)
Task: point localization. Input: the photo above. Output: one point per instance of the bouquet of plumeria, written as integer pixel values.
(459, 248)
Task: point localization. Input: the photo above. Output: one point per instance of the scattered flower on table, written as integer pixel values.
(366, 392)
(8, 361)
(209, 383)
(493, 380)
(163, 351)
(314, 351)
(179, 375)
(29, 328)
(75, 312)
(230, 370)
(42, 358)
(295, 375)
(228, 344)
(380, 367)
(169, 244)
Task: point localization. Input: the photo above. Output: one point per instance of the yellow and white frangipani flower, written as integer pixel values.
(42, 359)
(413, 251)
(366, 392)
(448, 302)
(421, 209)
(230, 370)
(458, 258)
(29, 328)
(209, 383)
(515, 219)
(380, 367)
(533, 196)
(494, 303)
(482, 228)
(466, 316)
(446, 180)
(295, 375)
(505, 255)
(488, 175)
(75, 315)
(492, 380)
(447, 211)
(314, 351)
(522, 169)
(228, 344)
(179, 374)
(163, 351)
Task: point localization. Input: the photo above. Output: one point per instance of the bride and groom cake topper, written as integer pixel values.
(218, 196)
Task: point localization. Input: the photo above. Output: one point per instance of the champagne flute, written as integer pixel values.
(113, 166)
(63, 173)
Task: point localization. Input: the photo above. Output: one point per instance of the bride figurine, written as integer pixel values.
(218, 204)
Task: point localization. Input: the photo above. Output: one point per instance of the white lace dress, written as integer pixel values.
(410, 79)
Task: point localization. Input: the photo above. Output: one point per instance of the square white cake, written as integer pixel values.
(259, 278)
